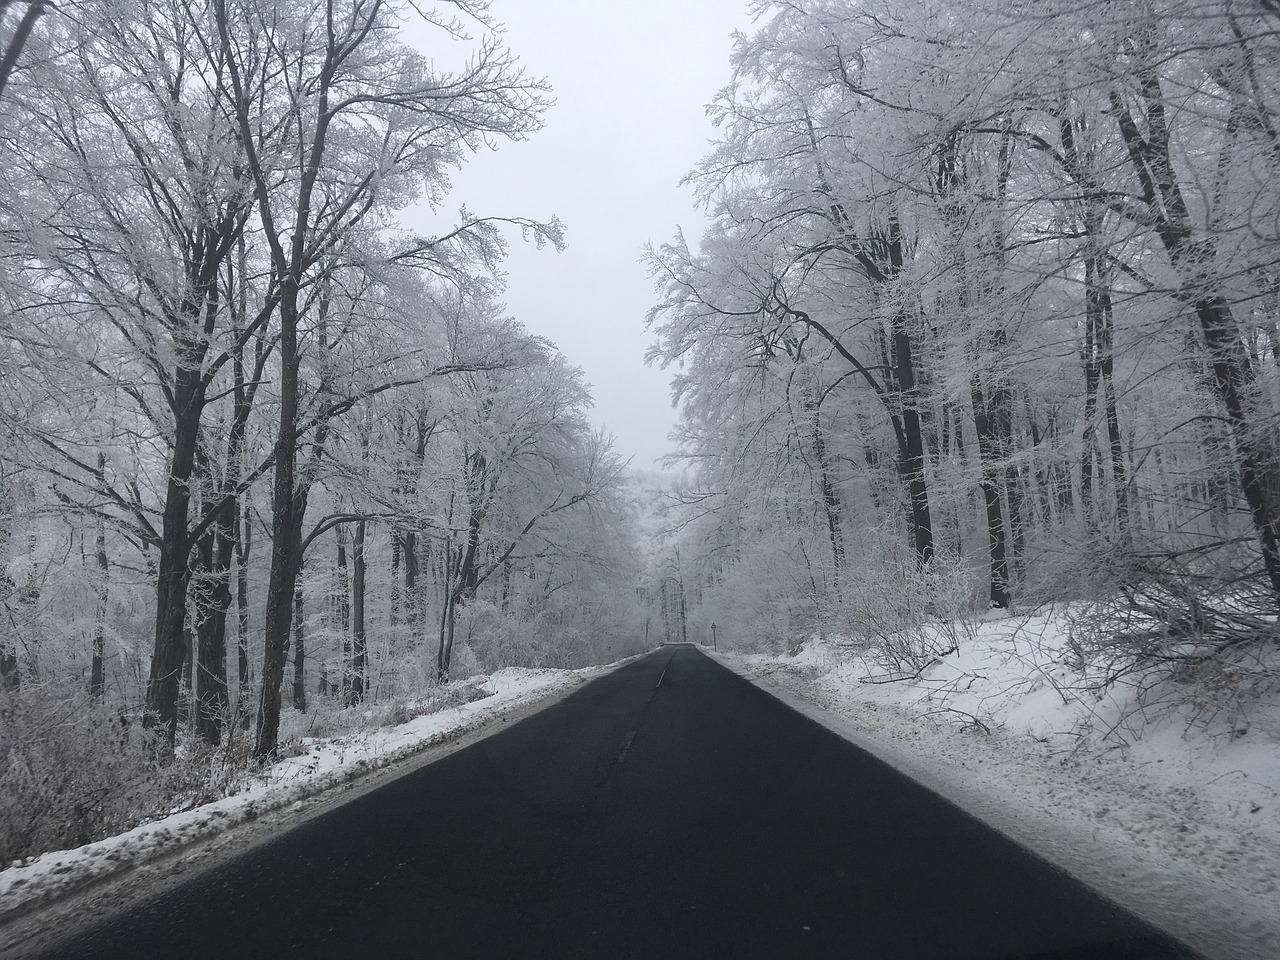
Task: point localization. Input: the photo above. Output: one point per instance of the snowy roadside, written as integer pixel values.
(290, 785)
(1177, 819)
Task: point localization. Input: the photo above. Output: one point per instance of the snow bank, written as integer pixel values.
(1168, 804)
(319, 765)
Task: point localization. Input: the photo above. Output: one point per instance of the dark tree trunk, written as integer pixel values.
(173, 575)
(911, 458)
(444, 654)
(18, 39)
(911, 468)
(1099, 367)
(213, 600)
(397, 543)
(882, 260)
(444, 659)
(244, 676)
(1017, 523)
(10, 675)
(1092, 379)
(1233, 378)
(193, 325)
(241, 529)
(989, 444)
(97, 678)
(830, 500)
(286, 559)
(285, 540)
(26, 596)
(1119, 472)
(1194, 259)
(1098, 352)
(299, 653)
(344, 610)
(478, 480)
(989, 390)
(358, 642)
(411, 604)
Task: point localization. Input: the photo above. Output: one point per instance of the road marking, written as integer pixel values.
(664, 672)
(626, 746)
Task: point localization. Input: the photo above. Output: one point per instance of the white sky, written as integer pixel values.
(631, 79)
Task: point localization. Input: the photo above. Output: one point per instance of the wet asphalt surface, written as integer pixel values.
(669, 809)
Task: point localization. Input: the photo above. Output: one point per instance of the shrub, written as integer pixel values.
(908, 618)
(1181, 630)
(73, 770)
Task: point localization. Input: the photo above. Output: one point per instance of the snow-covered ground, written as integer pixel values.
(289, 785)
(1168, 804)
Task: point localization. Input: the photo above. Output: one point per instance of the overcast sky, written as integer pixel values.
(631, 79)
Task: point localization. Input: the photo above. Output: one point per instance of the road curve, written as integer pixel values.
(669, 809)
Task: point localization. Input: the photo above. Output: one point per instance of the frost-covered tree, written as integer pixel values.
(1002, 274)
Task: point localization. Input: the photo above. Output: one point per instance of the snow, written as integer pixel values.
(1164, 800)
(320, 764)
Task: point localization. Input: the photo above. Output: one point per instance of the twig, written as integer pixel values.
(973, 721)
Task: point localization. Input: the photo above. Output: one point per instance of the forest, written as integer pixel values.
(984, 318)
(265, 443)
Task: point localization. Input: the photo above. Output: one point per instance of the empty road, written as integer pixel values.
(667, 810)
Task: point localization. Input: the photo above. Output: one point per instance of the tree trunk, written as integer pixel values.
(344, 610)
(192, 329)
(414, 605)
(97, 679)
(299, 653)
(358, 642)
(1092, 378)
(444, 660)
(18, 39)
(411, 604)
(911, 464)
(444, 654)
(173, 575)
(477, 497)
(285, 540)
(989, 445)
(830, 500)
(241, 528)
(1119, 472)
(213, 600)
(396, 545)
(1100, 375)
(187, 687)
(883, 263)
(911, 454)
(244, 678)
(1194, 260)
(504, 591)
(1017, 522)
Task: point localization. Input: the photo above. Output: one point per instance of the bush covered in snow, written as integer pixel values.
(73, 770)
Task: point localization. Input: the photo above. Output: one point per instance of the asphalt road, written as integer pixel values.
(667, 810)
